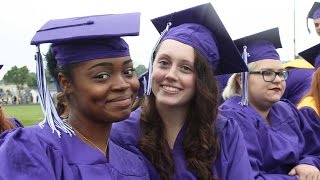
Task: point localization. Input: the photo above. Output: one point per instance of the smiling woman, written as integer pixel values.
(96, 74)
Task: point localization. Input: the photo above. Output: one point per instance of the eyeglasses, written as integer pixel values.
(270, 76)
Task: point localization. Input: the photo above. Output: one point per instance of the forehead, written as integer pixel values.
(104, 62)
(176, 49)
(269, 64)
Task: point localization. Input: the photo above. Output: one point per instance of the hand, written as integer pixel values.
(305, 172)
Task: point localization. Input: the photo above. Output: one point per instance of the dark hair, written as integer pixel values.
(201, 144)
(54, 70)
(52, 65)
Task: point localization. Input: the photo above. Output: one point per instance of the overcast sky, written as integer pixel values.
(19, 20)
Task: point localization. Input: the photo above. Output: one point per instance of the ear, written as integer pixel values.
(65, 83)
(239, 80)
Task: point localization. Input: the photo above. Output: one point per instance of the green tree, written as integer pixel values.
(140, 69)
(32, 80)
(17, 76)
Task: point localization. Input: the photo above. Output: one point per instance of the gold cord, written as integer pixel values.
(103, 151)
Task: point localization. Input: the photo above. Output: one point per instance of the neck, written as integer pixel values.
(94, 134)
(173, 119)
(264, 112)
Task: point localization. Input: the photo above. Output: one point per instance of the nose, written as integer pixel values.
(278, 79)
(172, 74)
(120, 83)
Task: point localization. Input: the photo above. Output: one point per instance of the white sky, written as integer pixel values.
(19, 20)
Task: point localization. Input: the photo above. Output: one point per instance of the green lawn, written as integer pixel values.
(27, 114)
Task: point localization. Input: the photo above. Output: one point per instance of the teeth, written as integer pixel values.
(168, 88)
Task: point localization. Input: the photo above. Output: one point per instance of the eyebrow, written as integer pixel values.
(270, 69)
(109, 64)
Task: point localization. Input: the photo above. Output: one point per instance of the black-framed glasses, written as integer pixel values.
(270, 76)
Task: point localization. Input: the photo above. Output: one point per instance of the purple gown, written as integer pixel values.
(275, 149)
(232, 162)
(35, 153)
(15, 122)
(297, 84)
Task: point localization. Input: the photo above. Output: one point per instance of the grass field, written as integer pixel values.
(27, 114)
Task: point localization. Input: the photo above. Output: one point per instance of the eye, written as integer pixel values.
(163, 63)
(267, 73)
(186, 68)
(103, 75)
(129, 71)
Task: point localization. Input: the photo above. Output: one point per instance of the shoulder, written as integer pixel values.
(127, 162)
(127, 132)
(284, 107)
(32, 136)
(224, 123)
(15, 122)
(232, 109)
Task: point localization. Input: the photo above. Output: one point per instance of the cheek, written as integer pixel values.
(190, 83)
(134, 83)
(157, 76)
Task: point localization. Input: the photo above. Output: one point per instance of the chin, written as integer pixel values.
(275, 100)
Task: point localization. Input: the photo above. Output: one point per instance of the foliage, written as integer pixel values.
(17, 76)
(140, 69)
(32, 80)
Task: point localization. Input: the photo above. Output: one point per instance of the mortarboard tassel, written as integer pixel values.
(244, 77)
(144, 82)
(47, 105)
(148, 90)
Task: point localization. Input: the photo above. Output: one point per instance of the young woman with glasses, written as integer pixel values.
(276, 133)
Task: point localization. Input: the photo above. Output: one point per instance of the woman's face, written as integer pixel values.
(173, 76)
(103, 89)
(262, 93)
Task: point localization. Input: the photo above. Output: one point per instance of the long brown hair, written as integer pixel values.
(315, 89)
(5, 124)
(201, 144)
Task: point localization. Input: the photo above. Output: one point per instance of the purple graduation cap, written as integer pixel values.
(314, 13)
(312, 55)
(261, 45)
(201, 28)
(143, 80)
(257, 47)
(81, 39)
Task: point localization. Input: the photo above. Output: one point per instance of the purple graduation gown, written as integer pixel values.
(35, 153)
(275, 149)
(232, 162)
(15, 122)
(297, 84)
(312, 117)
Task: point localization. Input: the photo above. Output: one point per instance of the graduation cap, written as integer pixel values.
(143, 80)
(80, 39)
(312, 55)
(209, 36)
(201, 28)
(314, 13)
(261, 45)
(257, 47)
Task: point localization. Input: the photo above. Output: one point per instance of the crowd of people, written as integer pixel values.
(208, 107)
